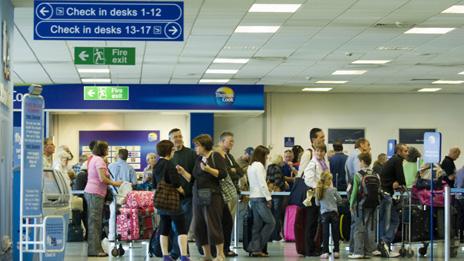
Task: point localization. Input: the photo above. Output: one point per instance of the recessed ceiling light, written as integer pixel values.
(429, 90)
(317, 89)
(230, 60)
(88, 70)
(371, 61)
(274, 8)
(455, 9)
(349, 72)
(257, 29)
(429, 30)
(332, 82)
(214, 80)
(447, 82)
(218, 71)
(96, 80)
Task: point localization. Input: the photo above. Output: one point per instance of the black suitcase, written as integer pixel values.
(345, 220)
(247, 231)
(75, 233)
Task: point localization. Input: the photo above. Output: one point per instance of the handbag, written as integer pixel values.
(166, 196)
(298, 193)
(228, 190)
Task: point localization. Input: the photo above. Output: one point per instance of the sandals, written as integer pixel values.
(259, 254)
(231, 254)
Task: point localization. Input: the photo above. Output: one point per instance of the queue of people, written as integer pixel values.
(208, 181)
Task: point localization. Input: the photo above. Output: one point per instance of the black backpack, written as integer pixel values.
(369, 190)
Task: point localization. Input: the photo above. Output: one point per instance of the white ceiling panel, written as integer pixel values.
(320, 37)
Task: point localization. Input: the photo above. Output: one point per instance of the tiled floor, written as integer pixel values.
(277, 251)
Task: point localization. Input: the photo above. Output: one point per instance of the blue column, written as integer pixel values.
(201, 123)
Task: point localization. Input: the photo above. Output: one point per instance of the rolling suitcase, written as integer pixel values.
(128, 224)
(300, 239)
(146, 222)
(289, 223)
(139, 199)
(75, 233)
(345, 221)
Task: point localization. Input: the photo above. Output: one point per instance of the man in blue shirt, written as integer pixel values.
(121, 171)
(337, 166)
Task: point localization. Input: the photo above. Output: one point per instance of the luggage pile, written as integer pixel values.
(135, 218)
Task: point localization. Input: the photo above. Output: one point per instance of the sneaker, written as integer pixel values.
(336, 255)
(355, 256)
(325, 256)
(383, 248)
(376, 253)
(394, 254)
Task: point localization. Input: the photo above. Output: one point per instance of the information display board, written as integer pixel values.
(138, 143)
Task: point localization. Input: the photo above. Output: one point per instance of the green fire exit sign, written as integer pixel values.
(104, 55)
(106, 93)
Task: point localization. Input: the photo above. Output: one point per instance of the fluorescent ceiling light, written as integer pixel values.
(316, 89)
(455, 9)
(332, 82)
(371, 61)
(257, 29)
(214, 80)
(218, 71)
(274, 8)
(96, 80)
(230, 60)
(461, 73)
(429, 30)
(89, 70)
(429, 90)
(349, 72)
(447, 82)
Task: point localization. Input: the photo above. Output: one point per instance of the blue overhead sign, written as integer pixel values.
(151, 97)
(97, 20)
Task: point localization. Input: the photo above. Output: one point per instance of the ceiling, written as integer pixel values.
(321, 37)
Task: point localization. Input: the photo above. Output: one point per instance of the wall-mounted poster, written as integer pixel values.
(346, 136)
(413, 136)
(138, 143)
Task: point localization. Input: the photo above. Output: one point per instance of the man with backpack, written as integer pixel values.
(365, 197)
(392, 178)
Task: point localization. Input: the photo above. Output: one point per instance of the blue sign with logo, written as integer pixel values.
(289, 142)
(54, 234)
(16, 147)
(391, 145)
(154, 97)
(98, 20)
(31, 155)
(432, 147)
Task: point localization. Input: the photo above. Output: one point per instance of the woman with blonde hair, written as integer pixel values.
(327, 198)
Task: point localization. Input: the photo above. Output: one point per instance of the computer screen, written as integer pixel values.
(50, 184)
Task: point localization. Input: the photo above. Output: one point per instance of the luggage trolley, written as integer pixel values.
(117, 250)
(406, 225)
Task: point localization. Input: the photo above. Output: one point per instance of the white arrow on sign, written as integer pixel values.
(83, 55)
(43, 11)
(91, 93)
(173, 30)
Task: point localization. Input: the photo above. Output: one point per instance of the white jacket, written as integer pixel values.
(257, 180)
(313, 171)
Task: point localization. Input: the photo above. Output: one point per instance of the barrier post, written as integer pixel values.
(447, 222)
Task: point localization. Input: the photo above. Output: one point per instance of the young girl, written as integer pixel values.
(327, 198)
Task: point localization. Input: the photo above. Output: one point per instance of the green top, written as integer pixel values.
(354, 192)
(410, 172)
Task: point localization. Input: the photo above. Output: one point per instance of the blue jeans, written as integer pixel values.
(389, 220)
(187, 208)
(263, 224)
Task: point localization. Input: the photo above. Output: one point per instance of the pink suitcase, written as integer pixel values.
(139, 199)
(289, 223)
(127, 224)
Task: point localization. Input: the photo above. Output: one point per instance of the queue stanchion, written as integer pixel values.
(447, 222)
(236, 223)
